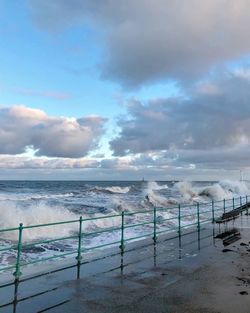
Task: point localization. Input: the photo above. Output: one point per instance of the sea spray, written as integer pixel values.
(235, 188)
(152, 185)
(214, 192)
(41, 213)
(48, 202)
(186, 190)
(217, 191)
(152, 197)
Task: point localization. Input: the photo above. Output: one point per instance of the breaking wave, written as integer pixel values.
(152, 197)
(113, 189)
(39, 214)
(99, 201)
(152, 185)
(218, 191)
(20, 197)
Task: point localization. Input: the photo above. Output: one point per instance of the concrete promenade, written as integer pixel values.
(200, 275)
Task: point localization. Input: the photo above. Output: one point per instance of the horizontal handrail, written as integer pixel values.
(101, 246)
(137, 225)
(50, 224)
(32, 244)
(104, 230)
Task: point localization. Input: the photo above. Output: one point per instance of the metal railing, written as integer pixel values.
(152, 222)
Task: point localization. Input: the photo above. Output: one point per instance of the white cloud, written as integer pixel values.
(22, 127)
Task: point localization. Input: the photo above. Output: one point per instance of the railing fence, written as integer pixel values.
(183, 216)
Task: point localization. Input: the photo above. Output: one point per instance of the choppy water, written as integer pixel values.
(38, 202)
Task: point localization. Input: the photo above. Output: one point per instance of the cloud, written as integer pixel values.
(148, 40)
(32, 163)
(234, 158)
(22, 127)
(207, 128)
(161, 165)
(24, 162)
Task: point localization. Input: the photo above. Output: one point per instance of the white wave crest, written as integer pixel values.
(11, 216)
(222, 190)
(152, 198)
(112, 189)
(152, 185)
(214, 192)
(101, 223)
(156, 200)
(186, 190)
(117, 189)
(120, 205)
(235, 187)
(23, 197)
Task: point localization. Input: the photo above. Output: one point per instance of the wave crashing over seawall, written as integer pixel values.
(48, 202)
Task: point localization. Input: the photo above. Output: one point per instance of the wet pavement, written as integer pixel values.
(193, 274)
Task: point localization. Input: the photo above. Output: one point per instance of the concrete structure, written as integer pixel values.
(197, 274)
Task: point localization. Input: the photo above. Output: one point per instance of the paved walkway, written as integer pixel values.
(199, 277)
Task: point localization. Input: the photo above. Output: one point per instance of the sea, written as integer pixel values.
(42, 202)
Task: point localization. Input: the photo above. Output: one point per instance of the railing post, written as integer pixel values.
(155, 235)
(79, 252)
(240, 201)
(122, 233)
(212, 211)
(224, 205)
(246, 200)
(233, 203)
(198, 226)
(198, 216)
(18, 273)
(179, 220)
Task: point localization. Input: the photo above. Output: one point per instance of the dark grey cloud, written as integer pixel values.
(234, 158)
(211, 127)
(22, 127)
(148, 40)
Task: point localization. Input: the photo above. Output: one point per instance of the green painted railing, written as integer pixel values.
(155, 225)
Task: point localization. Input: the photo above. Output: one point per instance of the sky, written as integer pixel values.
(121, 90)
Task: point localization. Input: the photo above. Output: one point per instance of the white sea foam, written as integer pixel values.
(112, 189)
(102, 222)
(27, 197)
(105, 200)
(152, 185)
(186, 190)
(214, 192)
(120, 205)
(156, 200)
(152, 198)
(235, 187)
(117, 189)
(11, 216)
(222, 190)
